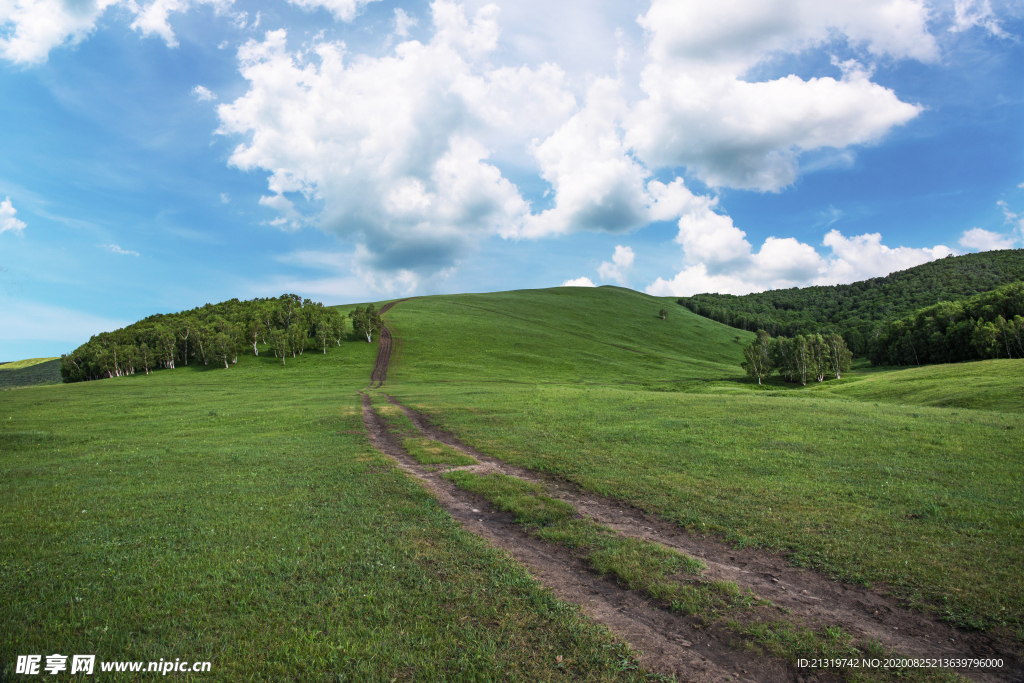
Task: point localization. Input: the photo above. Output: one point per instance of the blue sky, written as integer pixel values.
(158, 156)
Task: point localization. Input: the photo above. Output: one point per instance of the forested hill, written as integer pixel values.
(856, 310)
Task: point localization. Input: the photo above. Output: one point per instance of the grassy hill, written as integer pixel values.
(242, 516)
(560, 380)
(854, 310)
(565, 334)
(29, 372)
(993, 385)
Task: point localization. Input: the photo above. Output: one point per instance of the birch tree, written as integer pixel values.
(760, 357)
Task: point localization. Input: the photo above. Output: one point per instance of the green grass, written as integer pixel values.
(926, 499)
(429, 452)
(241, 516)
(637, 564)
(26, 363)
(27, 373)
(983, 385)
(602, 335)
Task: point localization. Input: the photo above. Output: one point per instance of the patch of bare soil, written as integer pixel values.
(814, 599)
(671, 644)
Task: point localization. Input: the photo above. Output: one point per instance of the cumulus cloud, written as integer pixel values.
(701, 113)
(390, 148)
(621, 264)
(402, 154)
(115, 249)
(203, 94)
(579, 282)
(719, 258)
(29, 29)
(7, 219)
(985, 240)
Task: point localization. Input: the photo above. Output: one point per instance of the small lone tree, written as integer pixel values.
(663, 314)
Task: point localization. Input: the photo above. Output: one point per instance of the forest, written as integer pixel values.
(215, 333)
(988, 325)
(858, 310)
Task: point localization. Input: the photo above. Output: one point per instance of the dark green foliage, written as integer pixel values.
(856, 310)
(214, 333)
(988, 325)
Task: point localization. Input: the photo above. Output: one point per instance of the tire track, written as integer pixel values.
(669, 643)
(380, 368)
(867, 614)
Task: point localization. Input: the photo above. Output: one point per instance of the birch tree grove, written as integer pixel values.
(798, 359)
(214, 332)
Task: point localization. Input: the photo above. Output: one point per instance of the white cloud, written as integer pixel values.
(403, 22)
(971, 13)
(579, 282)
(343, 10)
(984, 240)
(1011, 218)
(225, 198)
(718, 258)
(34, 27)
(402, 155)
(701, 112)
(203, 94)
(152, 18)
(114, 249)
(7, 219)
(390, 148)
(621, 264)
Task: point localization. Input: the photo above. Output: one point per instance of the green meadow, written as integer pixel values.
(874, 478)
(241, 516)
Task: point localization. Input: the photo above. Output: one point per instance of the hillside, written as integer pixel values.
(854, 310)
(981, 385)
(29, 372)
(562, 334)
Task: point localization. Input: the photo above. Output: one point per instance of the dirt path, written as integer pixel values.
(671, 644)
(380, 368)
(867, 614)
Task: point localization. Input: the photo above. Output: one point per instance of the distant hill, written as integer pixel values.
(31, 372)
(855, 310)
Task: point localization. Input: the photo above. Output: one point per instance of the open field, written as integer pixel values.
(240, 516)
(925, 499)
(244, 517)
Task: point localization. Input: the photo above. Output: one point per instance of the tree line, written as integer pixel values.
(800, 359)
(216, 333)
(857, 311)
(989, 325)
